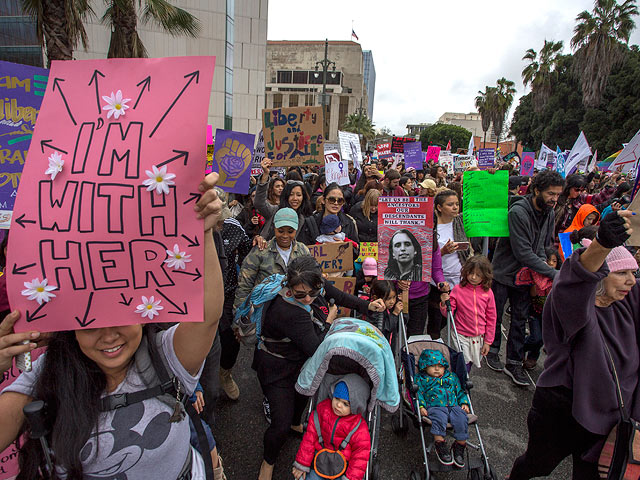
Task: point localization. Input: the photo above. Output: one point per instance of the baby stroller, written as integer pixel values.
(354, 346)
(477, 468)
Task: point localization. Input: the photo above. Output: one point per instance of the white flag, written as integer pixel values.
(545, 156)
(628, 159)
(579, 153)
(592, 164)
(471, 146)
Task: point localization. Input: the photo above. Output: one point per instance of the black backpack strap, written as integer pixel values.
(316, 422)
(202, 439)
(347, 439)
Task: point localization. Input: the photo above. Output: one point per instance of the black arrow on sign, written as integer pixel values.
(21, 222)
(180, 154)
(124, 300)
(196, 275)
(191, 76)
(34, 316)
(47, 143)
(94, 78)
(19, 270)
(180, 310)
(84, 322)
(146, 83)
(192, 243)
(56, 83)
(192, 197)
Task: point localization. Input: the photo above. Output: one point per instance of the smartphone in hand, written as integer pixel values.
(462, 245)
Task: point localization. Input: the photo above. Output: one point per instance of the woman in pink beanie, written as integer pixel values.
(592, 310)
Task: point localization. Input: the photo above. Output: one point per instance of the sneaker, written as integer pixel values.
(443, 453)
(494, 363)
(529, 364)
(228, 384)
(266, 408)
(516, 373)
(458, 451)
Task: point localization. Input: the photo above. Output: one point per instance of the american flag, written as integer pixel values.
(353, 34)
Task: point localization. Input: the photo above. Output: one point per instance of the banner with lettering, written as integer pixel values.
(104, 229)
(258, 155)
(486, 158)
(413, 155)
(383, 150)
(333, 256)
(397, 143)
(293, 136)
(21, 90)
(486, 203)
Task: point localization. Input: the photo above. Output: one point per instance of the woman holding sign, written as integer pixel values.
(82, 370)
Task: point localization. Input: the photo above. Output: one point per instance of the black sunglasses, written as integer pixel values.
(336, 200)
(311, 293)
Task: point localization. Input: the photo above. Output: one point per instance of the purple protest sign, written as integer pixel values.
(21, 91)
(232, 160)
(433, 153)
(413, 155)
(486, 158)
(527, 163)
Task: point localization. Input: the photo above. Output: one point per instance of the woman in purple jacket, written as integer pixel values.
(592, 310)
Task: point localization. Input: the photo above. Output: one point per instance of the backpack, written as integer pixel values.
(247, 321)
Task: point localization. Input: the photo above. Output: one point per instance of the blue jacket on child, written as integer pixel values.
(438, 392)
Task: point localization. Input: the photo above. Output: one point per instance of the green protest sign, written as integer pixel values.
(486, 202)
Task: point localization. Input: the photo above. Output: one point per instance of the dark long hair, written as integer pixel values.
(272, 185)
(70, 384)
(330, 188)
(393, 264)
(382, 288)
(305, 208)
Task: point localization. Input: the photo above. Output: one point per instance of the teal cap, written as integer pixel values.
(286, 217)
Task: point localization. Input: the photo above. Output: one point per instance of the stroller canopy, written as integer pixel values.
(361, 342)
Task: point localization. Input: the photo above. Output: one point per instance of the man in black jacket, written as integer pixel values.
(531, 226)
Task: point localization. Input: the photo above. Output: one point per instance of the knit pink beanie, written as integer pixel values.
(621, 259)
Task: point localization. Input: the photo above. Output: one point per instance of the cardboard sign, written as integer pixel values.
(258, 156)
(232, 159)
(462, 162)
(527, 163)
(368, 249)
(21, 91)
(433, 153)
(293, 136)
(333, 257)
(486, 158)
(397, 143)
(337, 172)
(109, 227)
(445, 159)
(405, 238)
(347, 285)
(383, 150)
(413, 155)
(350, 148)
(485, 204)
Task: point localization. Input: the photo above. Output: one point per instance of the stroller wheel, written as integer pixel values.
(396, 427)
(476, 474)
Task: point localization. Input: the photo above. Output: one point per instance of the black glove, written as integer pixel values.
(612, 231)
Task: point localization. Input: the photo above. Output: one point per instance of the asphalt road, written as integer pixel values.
(501, 406)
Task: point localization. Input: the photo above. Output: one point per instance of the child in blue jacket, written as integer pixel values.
(442, 399)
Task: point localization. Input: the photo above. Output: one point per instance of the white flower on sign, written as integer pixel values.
(116, 105)
(149, 307)
(159, 180)
(55, 165)
(38, 291)
(177, 259)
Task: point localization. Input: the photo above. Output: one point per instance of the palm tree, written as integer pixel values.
(59, 25)
(485, 102)
(540, 72)
(505, 90)
(121, 16)
(361, 124)
(598, 41)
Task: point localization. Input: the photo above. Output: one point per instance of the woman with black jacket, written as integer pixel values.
(365, 213)
(294, 325)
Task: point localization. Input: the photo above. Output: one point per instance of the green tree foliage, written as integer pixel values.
(441, 133)
(485, 103)
(540, 72)
(361, 124)
(505, 90)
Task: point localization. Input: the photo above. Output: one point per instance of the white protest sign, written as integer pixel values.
(628, 158)
(258, 155)
(446, 160)
(462, 162)
(350, 147)
(337, 172)
(545, 157)
(331, 156)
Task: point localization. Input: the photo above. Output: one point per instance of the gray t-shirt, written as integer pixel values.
(136, 441)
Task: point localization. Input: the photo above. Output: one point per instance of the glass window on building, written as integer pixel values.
(285, 76)
(301, 77)
(277, 100)
(293, 100)
(308, 100)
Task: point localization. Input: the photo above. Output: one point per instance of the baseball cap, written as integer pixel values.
(286, 217)
(329, 224)
(370, 266)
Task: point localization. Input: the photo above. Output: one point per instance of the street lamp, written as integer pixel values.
(325, 64)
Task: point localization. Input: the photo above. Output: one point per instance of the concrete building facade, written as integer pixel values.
(471, 121)
(292, 79)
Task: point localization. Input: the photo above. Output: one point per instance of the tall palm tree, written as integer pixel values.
(485, 103)
(361, 124)
(598, 41)
(505, 90)
(59, 25)
(122, 17)
(540, 72)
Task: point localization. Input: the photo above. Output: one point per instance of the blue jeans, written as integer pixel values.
(533, 342)
(440, 416)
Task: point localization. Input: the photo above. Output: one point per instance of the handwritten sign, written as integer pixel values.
(232, 159)
(346, 285)
(383, 150)
(337, 172)
(445, 159)
(368, 249)
(433, 153)
(405, 238)
(333, 257)
(413, 155)
(21, 91)
(397, 143)
(258, 156)
(109, 227)
(485, 204)
(293, 136)
(462, 162)
(527, 163)
(486, 158)
(350, 148)
(331, 156)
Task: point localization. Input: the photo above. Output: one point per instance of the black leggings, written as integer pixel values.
(417, 315)
(436, 320)
(554, 435)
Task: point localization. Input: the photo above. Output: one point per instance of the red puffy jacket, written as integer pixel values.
(356, 452)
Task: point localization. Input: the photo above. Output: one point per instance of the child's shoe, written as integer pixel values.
(443, 453)
(457, 451)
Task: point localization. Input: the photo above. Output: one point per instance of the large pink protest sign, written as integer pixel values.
(104, 228)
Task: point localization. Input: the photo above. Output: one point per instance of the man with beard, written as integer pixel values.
(531, 226)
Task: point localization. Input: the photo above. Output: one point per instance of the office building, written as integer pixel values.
(369, 79)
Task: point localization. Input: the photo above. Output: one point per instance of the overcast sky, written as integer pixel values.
(432, 56)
